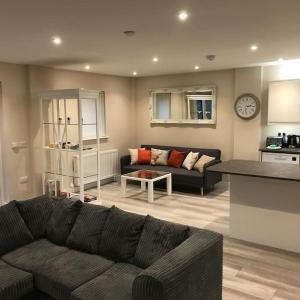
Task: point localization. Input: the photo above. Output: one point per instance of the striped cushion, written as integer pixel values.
(115, 283)
(121, 235)
(13, 231)
(59, 276)
(62, 220)
(86, 232)
(32, 256)
(36, 213)
(158, 238)
(14, 283)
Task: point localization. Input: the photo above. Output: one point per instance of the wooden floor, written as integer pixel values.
(250, 271)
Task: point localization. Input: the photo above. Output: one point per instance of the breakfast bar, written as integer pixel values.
(264, 202)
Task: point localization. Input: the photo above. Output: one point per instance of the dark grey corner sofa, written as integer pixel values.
(64, 249)
(181, 178)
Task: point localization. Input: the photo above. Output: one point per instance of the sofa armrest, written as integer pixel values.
(124, 161)
(211, 178)
(193, 270)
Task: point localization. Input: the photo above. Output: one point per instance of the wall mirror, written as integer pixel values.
(187, 105)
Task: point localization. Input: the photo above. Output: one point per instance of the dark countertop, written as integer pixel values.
(282, 150)
(258, 169)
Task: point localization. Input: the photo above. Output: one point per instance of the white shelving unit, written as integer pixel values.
(68, 117)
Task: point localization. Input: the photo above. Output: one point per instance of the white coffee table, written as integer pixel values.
(149, 177)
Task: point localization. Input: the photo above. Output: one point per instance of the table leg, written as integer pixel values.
(150, 191)
(143, 186)
(123, 186)
(169, 185)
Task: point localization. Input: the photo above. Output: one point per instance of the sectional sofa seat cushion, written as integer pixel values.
(121, 234)
(157, 239)
(36, 213)
(113, 284)
(62, 220)
(14, 283)
(13, 230)
(88, 227)
(59, 276)
(32, 256)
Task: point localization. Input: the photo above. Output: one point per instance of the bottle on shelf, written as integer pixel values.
(284, 141)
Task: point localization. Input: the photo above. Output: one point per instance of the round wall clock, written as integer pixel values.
(247, 106)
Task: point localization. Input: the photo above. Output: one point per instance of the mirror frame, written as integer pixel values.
(212, 121)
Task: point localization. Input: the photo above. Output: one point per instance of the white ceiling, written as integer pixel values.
(92, 34)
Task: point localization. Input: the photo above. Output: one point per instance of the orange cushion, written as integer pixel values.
(144, 157)
(176, 159)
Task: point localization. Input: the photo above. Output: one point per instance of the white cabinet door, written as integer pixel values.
(282, 158)
(284, 102)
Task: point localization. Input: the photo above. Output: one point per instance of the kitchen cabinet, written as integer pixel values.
(284, 102)
(282, 158)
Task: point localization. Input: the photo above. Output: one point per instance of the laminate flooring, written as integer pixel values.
(251, 271)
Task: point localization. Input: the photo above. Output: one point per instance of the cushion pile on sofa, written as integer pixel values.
(187, 165)
(65, 249)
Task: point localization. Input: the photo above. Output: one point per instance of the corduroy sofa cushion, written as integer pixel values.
(14, 283)
(36, 213)
(86, 233)
(157, 239)
(115, 283)
(59, 276)
(32, 256)
(62, 220)
(121, 234)
(13, 230)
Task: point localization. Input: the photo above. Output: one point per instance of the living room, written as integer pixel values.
(132, 52)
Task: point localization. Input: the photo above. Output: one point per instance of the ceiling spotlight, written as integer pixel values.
(196, 67)
(183, 15)
(56, 40)
(155, 59)
(134, 73)
(253, 48)
(280, 60)
(87, 67)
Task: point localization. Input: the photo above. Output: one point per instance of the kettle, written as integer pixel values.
(293, 141)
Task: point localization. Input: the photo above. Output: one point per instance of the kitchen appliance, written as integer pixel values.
(274, 140)
(293, 141)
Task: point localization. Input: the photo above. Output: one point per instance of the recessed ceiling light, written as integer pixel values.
(155, 59)
(183, 15)
(280, 60)
(134, 73)
(196, 67)
(87, 67)
(253, 47)
(56, 40)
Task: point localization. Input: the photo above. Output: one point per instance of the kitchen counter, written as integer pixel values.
(264, 202)
(282, 150)
(258, 169)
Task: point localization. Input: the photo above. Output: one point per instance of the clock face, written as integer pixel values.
(247, 106)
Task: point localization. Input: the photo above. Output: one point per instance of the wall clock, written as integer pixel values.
(247, 106)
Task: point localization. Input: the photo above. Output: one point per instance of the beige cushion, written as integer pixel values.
(190, 160)
(204, 159)
(159, 157)
(134, 155)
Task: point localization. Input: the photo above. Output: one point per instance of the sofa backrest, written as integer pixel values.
(210, 152)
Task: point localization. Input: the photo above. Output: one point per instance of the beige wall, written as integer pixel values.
(206, 136)
(247, 134)
(15, 127)
(119, 107)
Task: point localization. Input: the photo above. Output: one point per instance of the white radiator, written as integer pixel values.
(109, 166)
